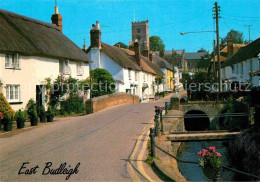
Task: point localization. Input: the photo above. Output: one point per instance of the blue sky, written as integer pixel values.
(167, 18)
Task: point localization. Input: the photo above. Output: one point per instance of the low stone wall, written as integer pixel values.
(107, 101)
(166, 164)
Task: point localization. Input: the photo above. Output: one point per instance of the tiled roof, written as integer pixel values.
(194, 55)
(26, 36)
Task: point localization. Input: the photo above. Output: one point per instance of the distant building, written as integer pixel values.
(192, 59)
(140, 33)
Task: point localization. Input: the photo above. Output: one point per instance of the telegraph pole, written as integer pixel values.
(248, 32)
(216, 10)
(214, 61)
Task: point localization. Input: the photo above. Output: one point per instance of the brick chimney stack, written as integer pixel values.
(151, 57)
(137, 53)
(95, 35)
(146, 53)
(57, 19)
(230, 48)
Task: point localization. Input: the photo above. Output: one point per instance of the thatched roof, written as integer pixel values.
(119, 56)
(146, 65)
(161, 63)
(244, 53)
(26, 36)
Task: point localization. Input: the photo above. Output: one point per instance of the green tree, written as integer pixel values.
(102, 82)
(202, 50)
(121, 45)
(204, 62)
(156, 43)
(236, 36)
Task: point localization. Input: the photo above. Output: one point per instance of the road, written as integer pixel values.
(101, 142)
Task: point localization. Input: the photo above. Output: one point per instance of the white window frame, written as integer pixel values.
(12, 61)
(13, 93)
(80, 68)
(64, 67)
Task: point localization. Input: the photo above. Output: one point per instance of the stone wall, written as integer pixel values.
(107, 101)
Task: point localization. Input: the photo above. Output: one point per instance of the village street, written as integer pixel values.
(101, 142)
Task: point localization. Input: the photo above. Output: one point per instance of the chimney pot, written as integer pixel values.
(97, 23)
(56, 10)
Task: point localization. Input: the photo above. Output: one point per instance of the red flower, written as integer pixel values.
(212, 148)
(1, 115)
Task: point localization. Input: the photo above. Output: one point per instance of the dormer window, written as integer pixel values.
(12, 61)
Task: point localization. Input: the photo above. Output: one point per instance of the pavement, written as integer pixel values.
(101, 142)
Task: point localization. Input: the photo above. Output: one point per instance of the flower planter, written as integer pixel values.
(211, 173)
(20, 123)
(50, 118)
(43, 119)
(8, 126)
(34, 121)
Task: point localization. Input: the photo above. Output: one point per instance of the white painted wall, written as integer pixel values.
(239, 72)
(32, 72)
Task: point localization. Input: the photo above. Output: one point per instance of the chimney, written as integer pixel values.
(95, 36)
(137, 53)
(57, 19)
(151, 57)
(84, 45)
(229, 48)
(131, 46)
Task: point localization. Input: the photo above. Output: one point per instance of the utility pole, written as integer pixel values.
(216, 10)
(214, 61)
(248, 32)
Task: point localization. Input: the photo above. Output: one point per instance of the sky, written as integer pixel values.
(167, 18)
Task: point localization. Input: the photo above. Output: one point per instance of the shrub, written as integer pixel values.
(50, 112)
(107, 85)
(20, 118)
(5, 108)
(42, 111)
(31, 109)
(244, 152)
(73, 104)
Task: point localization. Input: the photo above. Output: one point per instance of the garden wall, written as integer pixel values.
(107, 101)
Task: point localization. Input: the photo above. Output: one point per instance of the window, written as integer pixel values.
(80, 68)
(64, 67)
(136, 76)
(138, 30)
(13, 93)
(233, 69)
(237, 69)
(241, 68)
(129, 74)
(12, 61)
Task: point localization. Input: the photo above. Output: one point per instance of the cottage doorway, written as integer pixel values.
(40, 90)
